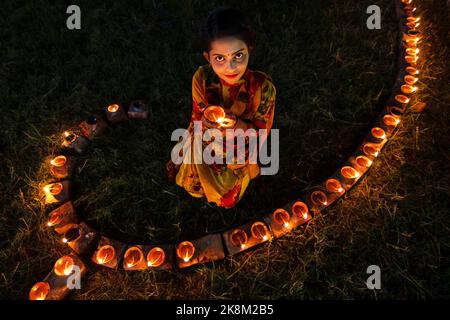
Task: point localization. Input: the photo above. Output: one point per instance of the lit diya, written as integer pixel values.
(319, 198)
(64, 266)
(58, 166)
(216, 117)
(412, 25)
(411, 35)
(281, 217)
(115, 113)
(133, 257)
(105, 254)
(378, 133)
(74, 142)
(413, 19)
(411, 59)
(300, 209)
(55, 218)
(185, 251)
(402, 98)
(51, 192)
(349, 172)
(58, 161)
(410, 43)
(412, 51)
(333, 185)
(71, 235)
(69, 137)
(113, 108)
(363, 162)
(412, 71)
(409, 79)
(407, 89)
(409, 10)
(390, 120)
(39, 291)
(371, 149)
(156, 257)
(239, 238)
(53, 188)
(259, 231)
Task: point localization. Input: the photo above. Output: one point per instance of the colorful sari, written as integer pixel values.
(252, 99)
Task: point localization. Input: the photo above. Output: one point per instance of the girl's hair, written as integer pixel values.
(225, 22)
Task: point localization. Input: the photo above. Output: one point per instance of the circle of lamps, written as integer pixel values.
(90, 245)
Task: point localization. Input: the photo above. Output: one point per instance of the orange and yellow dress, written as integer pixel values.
(252, 100)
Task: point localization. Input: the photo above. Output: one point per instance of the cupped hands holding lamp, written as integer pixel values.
(227, 93)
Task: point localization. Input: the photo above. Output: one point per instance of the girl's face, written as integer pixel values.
(229, 58)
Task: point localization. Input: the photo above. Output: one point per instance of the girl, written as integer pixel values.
(227, 42)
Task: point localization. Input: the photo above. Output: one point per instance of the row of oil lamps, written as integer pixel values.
(111, 253)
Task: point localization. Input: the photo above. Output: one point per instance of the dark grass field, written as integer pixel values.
(332, 75)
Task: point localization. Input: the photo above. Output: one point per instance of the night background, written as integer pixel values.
(333, 76)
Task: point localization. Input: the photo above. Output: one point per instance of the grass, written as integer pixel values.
(332, 75)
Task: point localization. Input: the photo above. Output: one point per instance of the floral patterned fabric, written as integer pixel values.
(252, 99)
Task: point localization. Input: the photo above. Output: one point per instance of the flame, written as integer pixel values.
(186, 257)
(113, 108)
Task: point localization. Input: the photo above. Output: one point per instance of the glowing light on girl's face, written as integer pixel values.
(228, 56)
